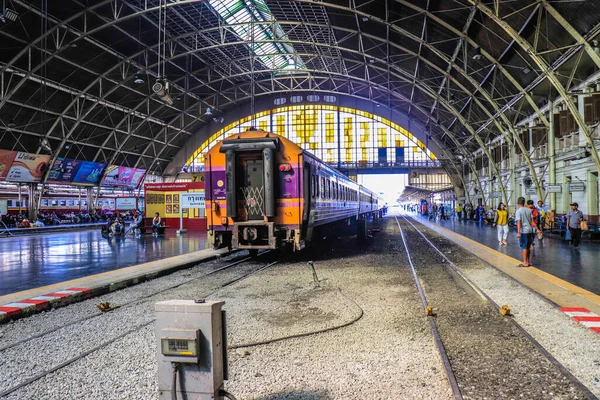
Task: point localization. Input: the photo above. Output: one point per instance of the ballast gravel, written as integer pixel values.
(573, 345)
(388, 353)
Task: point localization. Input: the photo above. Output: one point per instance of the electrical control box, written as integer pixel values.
(180, 345)
(191, 343)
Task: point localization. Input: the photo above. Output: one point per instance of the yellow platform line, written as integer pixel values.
(558, 291)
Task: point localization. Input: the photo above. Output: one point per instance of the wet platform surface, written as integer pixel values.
(555, 256)
(32, 261)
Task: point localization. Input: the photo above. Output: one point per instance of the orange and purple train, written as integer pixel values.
(265, 192)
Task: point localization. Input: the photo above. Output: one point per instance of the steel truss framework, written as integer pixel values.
(465, 70)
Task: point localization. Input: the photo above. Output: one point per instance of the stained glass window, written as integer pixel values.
(340, 136)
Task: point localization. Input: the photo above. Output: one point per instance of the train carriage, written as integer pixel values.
(265, 192)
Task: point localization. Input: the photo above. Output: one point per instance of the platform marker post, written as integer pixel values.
(181, 204)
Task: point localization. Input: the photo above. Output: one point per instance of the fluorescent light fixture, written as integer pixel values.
(219, 120)
(208, 111)
(8, 14)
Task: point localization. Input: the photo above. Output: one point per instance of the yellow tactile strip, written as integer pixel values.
(560, 292)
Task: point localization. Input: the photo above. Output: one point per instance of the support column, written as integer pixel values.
(581, 109)
(512, 202)
(34, 201)
(566, 196)
(592, 194)
(91, 206)
(551, 155)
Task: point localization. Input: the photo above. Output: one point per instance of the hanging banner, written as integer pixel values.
(123, 176)
(6, 159)
(28, 167)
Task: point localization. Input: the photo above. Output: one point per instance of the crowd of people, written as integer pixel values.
(52, 219)
(529, 219)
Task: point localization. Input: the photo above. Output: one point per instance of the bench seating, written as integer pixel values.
(148, 229)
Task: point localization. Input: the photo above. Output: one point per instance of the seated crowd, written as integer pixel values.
(52, 219)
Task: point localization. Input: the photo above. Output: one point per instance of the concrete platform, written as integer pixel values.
(551, 255)
(554, 263)
(43, 259)
(20, 304)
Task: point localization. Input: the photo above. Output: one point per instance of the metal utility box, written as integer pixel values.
(190, 336)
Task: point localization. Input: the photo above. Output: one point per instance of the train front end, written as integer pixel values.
(253, 192)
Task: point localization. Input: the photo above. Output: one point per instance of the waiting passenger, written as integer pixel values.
(574, 218)
(155, 224)
(137, 223)
(501, 223)
(523, 217)
(25, 223)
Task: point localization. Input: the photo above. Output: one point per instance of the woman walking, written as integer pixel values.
(501, 224)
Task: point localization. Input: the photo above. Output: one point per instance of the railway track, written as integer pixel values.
(449, 361)
(30, 341)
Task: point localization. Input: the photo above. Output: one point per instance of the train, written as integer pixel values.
(265, 192)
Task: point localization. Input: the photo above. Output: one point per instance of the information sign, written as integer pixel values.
(192, 200)
(554, 189)
(3, 207)
(530, 190)
(126, 203)
(576, 187)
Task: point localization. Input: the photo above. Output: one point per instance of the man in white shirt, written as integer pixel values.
(523, 217)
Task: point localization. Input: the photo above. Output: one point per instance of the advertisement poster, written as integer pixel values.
(28, 167)
(6, 159)
(169, 198)
(66, 170)
(175, 208)
(169, 209)
(123, 176)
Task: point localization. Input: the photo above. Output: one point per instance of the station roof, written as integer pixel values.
(466, 70)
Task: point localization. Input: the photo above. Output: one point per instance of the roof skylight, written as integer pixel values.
(269, 39)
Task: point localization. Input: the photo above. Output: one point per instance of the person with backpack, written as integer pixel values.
(523, 218)
(534, 223)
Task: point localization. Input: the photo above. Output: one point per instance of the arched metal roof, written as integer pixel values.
(466, 70)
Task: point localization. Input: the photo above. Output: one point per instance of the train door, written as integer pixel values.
(308, 192)
(251, 188)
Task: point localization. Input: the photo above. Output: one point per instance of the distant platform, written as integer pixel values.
(31, 261)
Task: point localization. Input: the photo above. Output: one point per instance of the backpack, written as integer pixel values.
(534, 216)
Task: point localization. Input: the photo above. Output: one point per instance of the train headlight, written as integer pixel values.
(285, 167)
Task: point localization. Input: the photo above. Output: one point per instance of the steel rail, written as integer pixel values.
(131, 302)
(115, 339)
(436, 335)
(483, 295)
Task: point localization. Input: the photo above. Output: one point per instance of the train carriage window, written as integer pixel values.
(313, 185)
(322, 187)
